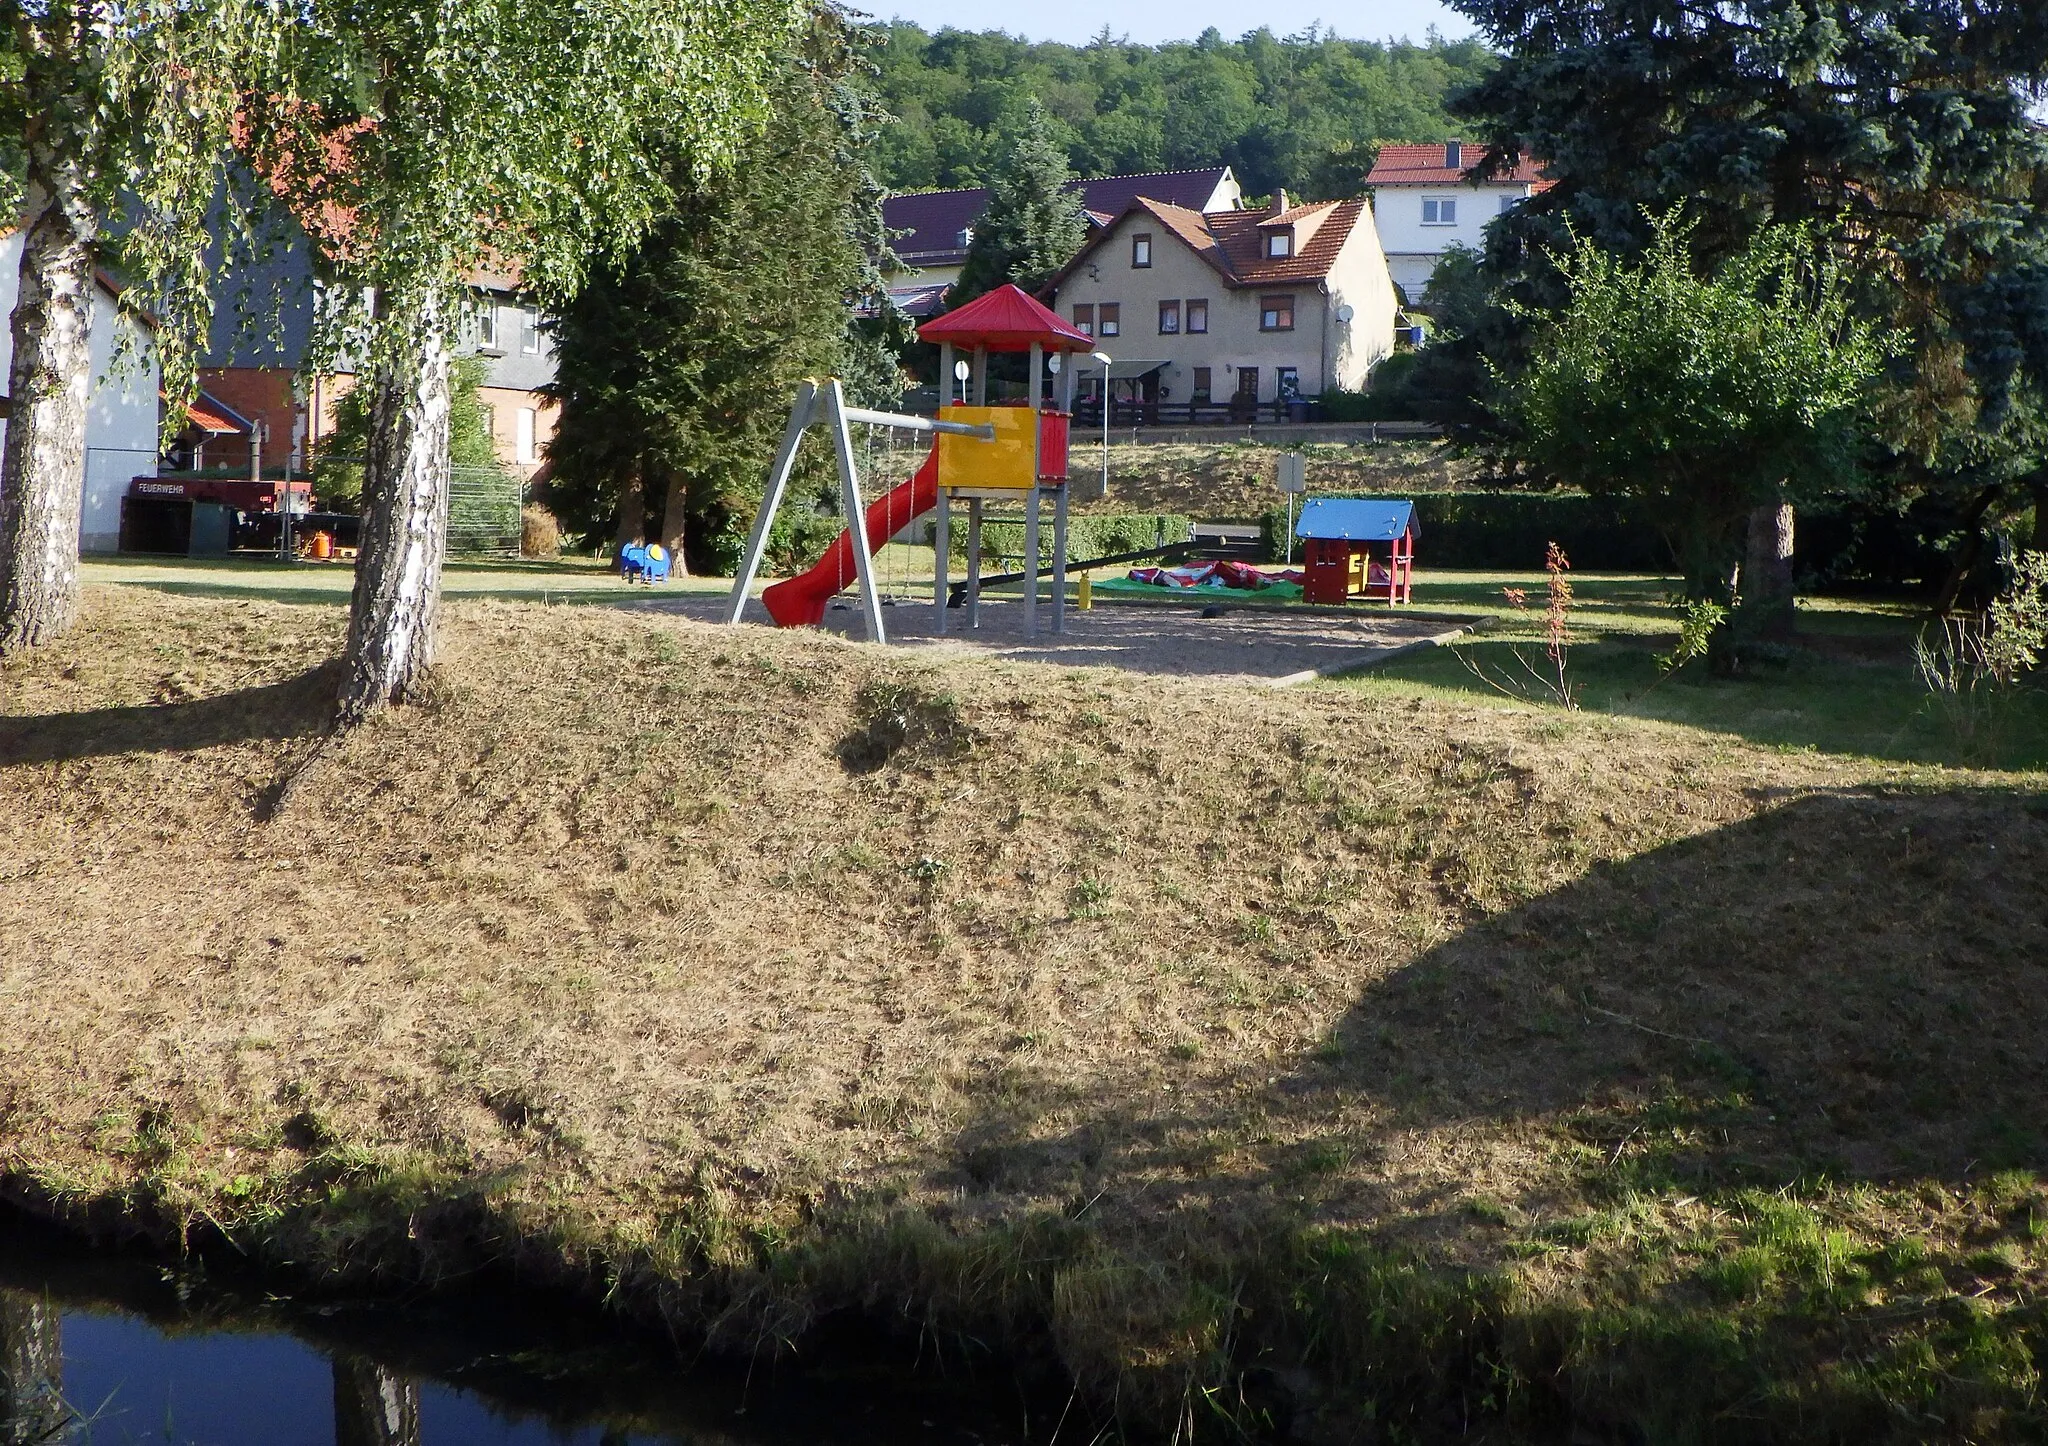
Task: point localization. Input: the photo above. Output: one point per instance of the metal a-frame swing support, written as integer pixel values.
(826, 401)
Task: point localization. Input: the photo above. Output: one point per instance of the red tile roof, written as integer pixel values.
(1233, 243)
(210, 414)
(1428, 165)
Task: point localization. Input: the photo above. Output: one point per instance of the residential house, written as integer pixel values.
(1231, 309)
(933, 228)
(1428, 198)
(121, 411)
(257, 369)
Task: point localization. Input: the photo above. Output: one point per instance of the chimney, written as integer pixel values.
(1279, 200)
(1454, 157)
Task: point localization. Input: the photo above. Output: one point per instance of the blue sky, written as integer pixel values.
(1154, 21)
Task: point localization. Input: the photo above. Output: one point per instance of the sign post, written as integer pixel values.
(1293, 479)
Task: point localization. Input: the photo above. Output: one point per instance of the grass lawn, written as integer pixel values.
(1374, 1058)
(1849, 686)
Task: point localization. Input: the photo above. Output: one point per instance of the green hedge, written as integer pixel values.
(1096, 535)
(1513, 530)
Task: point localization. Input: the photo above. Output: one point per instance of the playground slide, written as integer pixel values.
(799, 601)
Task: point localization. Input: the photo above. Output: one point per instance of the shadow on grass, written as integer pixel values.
(1846, 992)
(296, 708)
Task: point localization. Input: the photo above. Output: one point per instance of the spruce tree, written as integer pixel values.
(1033, 225)
(676, 369)
(1898, 128)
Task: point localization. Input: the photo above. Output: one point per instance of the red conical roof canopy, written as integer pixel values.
(1007, 319)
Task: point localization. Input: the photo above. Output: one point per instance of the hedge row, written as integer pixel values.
(1853, 544)
(1096, 535)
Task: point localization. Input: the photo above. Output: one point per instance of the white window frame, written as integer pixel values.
(529, 331)
(1445, 209)
(1279, 245)
(487, 325)
(1109, 325)
(524, 448)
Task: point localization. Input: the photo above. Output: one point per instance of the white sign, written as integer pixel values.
(1293, 473)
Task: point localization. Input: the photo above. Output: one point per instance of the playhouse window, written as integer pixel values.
(1141, 250)
(1169, 318)
(1201, 388)
(1198, 317)
(1439, 210)
(1276, 313)
(1111, 314)
(1084, 319)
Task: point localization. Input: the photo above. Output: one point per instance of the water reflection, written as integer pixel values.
(113, 1351)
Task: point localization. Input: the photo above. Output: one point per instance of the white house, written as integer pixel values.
(121, 414)
(1235, 307)
(1427, 200)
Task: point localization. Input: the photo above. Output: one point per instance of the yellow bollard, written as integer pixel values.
(1086, 599)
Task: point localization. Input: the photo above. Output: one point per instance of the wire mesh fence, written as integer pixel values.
(483, 511)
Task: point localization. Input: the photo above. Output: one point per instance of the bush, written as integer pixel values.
(539, 534)
(1513, 530)
(1093, 536)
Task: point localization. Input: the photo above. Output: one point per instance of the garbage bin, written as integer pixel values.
(1297, 409)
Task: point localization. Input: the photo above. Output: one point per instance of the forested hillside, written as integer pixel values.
(1304, 112)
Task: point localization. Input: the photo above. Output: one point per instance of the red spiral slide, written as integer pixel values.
(800, 601)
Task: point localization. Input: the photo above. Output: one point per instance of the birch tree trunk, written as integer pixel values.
(373, 1407)
(675, 521)
(405, 526)
(49, 379)
(32, 1408)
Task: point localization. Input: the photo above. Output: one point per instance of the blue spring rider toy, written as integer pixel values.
(644, 562)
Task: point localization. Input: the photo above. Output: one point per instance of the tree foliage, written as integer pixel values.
(675, 370)
(1307, 111)
(338, 468)
(1704, 397)
(1898, 129)
(1032, 225)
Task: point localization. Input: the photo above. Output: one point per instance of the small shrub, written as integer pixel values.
(1973, 666)
(539, 534)
(1549, 679)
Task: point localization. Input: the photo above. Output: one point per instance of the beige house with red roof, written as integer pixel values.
(1231, 310)
(1427, 199)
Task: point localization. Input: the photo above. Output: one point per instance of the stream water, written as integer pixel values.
(118, 1350)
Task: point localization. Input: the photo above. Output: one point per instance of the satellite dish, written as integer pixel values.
(1344, 312)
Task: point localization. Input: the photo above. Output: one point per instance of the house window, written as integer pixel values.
(490, 420)
(1111, 314)
(1276, 313)
(529, 331)
(1454, 156)
(1141, 250)
(487, 325)
(965, 237)
(1201, 390)
(1084, 319)
(1280, 243)
(1286, 382)
(1439, 210)
(1169, 318)
(522, 444)
(1198, 317)
(1508, 203)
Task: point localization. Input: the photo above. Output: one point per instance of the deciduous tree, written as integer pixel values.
(421, 144)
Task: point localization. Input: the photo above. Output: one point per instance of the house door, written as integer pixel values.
(1248, 384)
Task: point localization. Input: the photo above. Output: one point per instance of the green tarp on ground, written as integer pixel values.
(1278, 592)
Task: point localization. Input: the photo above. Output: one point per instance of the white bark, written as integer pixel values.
(49, 380)
(32, 1405)
(405, 526)
(373, 1407)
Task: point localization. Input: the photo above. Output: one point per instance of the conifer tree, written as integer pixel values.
(1033, 225)
(675, 369)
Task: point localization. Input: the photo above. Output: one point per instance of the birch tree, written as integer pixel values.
(116, 103)
(421, 144)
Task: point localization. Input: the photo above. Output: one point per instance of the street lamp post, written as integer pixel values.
(1103, 357)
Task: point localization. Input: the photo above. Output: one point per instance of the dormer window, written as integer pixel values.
(1454, 156)
(1280, 243)
(1141, 250)
(965, 238)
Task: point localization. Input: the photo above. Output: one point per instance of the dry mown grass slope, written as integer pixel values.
(669, 947)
